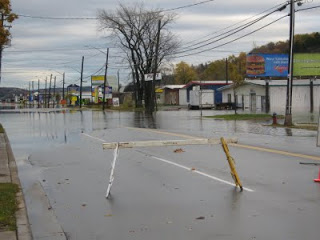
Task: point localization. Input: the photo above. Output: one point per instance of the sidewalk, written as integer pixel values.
(9, 174)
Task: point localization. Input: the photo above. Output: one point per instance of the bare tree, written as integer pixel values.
(134, 29)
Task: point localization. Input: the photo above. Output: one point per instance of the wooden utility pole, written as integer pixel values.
(81, 78)
(29, 95)
(227, 75)
(45, 93)
(153, 99)
(54, 91)
(38, 93)
(267, 96)
(49, 97)
(63, 85)
(105, 81)
(288, 116)
(311, 95)
(32, 94)
(118, 76)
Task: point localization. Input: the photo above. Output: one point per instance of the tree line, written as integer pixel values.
(234, 67)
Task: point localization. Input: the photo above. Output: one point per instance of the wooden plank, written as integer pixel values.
(162, 143)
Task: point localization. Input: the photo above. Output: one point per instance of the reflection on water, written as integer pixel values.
(64, 126)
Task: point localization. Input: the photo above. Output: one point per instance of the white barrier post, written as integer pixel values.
(113, 165)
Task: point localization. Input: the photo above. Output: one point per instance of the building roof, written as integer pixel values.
(173, 86)
(276, 83)
(202, 83)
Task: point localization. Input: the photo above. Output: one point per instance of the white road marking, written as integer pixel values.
(99, 139)
(181, 166)
(199, 172)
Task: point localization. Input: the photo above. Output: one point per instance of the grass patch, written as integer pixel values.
(126, 108)
(242, 117)
(1, 129)
(8, 206)
(311, 127)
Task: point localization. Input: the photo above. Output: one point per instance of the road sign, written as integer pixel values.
(149, 76)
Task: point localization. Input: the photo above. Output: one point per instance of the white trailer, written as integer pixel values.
(201, 99)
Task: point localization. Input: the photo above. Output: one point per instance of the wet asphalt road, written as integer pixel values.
(152, 198)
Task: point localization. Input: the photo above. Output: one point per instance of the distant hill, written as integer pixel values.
(9, 92)
(303, 43)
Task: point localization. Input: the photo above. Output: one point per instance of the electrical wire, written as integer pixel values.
(232, 25)
(228, 33)
(309, 8)
(231, 41)
(95, 18)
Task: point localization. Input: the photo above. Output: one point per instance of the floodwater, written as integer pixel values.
(152, 200)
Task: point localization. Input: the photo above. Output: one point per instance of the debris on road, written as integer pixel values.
(179, 150)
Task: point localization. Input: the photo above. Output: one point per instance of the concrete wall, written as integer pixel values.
(244, 96)
(300, 98)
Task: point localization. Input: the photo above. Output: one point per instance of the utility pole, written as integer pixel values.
(38, 93)
(54, 91)
(227, 71)
(63, 85)
(105, 80)
(153, 99)
(311, 95)
(49, 97)
(45, 93)
(29, 95)
(80, 100)
(267, 96)
(32, 94)
(288, 116)
(118, 76)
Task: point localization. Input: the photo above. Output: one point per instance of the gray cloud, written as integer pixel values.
(68, 39)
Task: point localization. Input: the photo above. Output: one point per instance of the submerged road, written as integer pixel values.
(160, 193)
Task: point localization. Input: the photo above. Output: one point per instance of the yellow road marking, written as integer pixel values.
(234, 144)
(276, 151)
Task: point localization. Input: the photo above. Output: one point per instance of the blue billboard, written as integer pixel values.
(267, 65)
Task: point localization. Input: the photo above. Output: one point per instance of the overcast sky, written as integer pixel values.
(41, 47)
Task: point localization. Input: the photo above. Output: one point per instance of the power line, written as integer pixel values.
(303, 9)
(95, 18)
(228, 33)
(232, 25)
(231, 41)
(187, 6)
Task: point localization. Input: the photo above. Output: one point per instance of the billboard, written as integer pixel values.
(99, 80)
(306, 64)
(73, 89)
(276, 65)
(267, 65)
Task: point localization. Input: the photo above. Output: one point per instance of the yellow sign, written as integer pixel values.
(73, 100)
(97, 80)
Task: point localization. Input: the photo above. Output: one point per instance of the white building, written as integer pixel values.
(251, 95)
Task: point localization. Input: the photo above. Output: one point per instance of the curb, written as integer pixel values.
(23, 226)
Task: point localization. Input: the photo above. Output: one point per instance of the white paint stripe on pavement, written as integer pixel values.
(181, 166)
(87, 135)
(199, 172)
